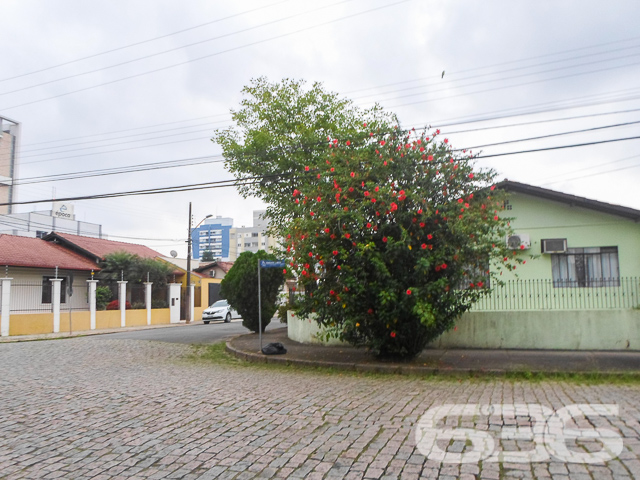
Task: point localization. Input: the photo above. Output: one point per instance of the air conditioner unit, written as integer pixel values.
(519, 241)
(554, 245)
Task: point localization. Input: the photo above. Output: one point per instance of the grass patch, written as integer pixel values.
(215, 353)
(588, 378)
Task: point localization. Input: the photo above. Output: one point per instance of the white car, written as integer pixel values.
(221, 310)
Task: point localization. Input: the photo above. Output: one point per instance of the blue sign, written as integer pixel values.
(271, 263)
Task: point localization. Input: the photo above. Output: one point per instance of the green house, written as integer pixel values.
(579, 287)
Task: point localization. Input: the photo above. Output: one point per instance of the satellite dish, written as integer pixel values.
(173, 253)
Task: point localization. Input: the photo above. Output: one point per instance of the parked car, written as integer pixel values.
(220, 310)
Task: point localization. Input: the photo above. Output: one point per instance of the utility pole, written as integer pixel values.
(187, 315)
(188, 293)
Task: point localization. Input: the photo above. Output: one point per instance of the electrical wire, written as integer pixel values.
(145, 57)
(559, 147)
(592, 174)
(505, 87)
(117, 143)
(502, 78)
(219, 159)
(250, 44)
(113, 132)
(520, 140)
(474, 69)
(257, 179)
(102, 173)
(441, 126)
(125, 136)
(143, 41)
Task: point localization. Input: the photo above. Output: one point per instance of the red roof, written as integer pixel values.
(100, 247)
(18, 251)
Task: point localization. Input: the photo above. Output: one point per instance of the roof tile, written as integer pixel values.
(18, 251)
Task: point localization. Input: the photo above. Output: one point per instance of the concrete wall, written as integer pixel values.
(40, 323)
(306, 330)
(559, 330)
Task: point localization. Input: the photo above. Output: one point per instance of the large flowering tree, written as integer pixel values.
(391, 232)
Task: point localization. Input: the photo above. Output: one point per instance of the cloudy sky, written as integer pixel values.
(113, 84)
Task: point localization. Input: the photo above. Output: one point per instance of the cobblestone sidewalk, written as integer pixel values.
(115, 409)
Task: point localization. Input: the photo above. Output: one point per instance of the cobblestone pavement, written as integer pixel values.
(101, 409)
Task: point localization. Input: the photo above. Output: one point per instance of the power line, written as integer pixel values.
(550, 135)
(562, 52)
(167, 67)
(117, 143)
(126, 136)
(593, 174)
(209, 159)
(118, 150)
(117, 171)
(441, 126)
(560, 147)
(131, 130)
(502, 78)
(152, 191)
(145, 57)
(467, 120)
(257, 179)
(547, 177)
(507, 86)
(576, 117)
(143, 41)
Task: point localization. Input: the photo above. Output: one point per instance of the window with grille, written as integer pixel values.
(586, 267)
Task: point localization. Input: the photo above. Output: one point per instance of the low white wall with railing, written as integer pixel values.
(536, 314)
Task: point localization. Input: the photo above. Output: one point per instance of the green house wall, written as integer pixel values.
(543, 219)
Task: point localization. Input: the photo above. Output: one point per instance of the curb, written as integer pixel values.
(405, 370)
(86, 333)
(353, 367)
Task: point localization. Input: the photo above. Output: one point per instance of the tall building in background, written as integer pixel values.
(252, 239)
(9, 145)
(218, 236)
(212, 236)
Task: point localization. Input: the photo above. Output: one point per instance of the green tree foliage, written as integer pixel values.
(240, 288)
(103, 297)
(135, 268)
(390, 231)
(207, 256)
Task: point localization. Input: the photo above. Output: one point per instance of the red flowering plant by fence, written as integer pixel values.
(391, 232)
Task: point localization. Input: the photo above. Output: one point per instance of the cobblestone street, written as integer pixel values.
(103, 409)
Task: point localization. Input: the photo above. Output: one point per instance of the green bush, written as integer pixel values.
(157, 303)
(282, 312)
(138, 306)
(103, 297)
(240, 288)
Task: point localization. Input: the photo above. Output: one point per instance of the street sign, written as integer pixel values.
(264, 264)
(271, 263)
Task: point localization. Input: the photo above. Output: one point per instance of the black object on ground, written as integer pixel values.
(275, 348)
